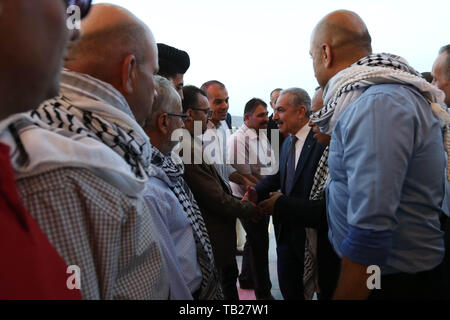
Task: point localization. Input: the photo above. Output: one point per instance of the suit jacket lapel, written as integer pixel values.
(306, 150)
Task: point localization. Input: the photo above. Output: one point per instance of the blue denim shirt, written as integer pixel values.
(387, 184)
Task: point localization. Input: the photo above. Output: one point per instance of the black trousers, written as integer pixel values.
(228, 277)
(255, 260)
(290, 262)
(424, 285)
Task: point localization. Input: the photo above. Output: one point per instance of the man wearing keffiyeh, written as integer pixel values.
(386, 162)
(176, 213)
(81, 161)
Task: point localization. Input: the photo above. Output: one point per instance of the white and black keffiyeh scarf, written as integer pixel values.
(310, 274)
(210, 286)
(348, 85)
(120, 136)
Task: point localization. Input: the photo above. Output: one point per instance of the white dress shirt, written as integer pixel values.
(301, 135)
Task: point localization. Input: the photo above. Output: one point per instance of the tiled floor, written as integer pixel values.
(249, 294)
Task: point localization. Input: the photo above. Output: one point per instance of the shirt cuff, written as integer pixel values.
(367, 247)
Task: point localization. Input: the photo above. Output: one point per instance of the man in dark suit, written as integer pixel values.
(299, 157)
(322, 266)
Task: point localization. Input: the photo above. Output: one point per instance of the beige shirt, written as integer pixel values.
(250, 153)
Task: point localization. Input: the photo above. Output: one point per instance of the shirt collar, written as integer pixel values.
(303, 133)
(210, 125)
(251, 133)
(85, 85)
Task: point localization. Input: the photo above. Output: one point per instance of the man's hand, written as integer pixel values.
(268, 206)
(251, 195)
(247, 182)
(257, 214)
(352, 284)
(242, 179)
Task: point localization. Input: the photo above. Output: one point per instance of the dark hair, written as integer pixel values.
(427, 76)
(445, 48)
(172, 61)
(190, 94)
(252, 105)
(207, 84)
(273, 91)
(447, 62)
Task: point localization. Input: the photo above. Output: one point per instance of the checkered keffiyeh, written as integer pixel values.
(348, 85)
(210, 286)
(60, 113)
(310, 275)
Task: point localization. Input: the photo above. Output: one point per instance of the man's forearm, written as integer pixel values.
(352, 284)
(240, 179)
(251, 178)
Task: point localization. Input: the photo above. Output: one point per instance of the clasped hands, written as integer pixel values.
(266, 207)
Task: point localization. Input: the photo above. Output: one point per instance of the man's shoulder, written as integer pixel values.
(388, 99)
(72, 189)
(80, 181)
(393, 91)
(158, 188)
(238, 135)
(203, 173)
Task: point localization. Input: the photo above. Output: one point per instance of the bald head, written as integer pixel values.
(117, 48)
(343, 28)
(339, 39)
(110, 33)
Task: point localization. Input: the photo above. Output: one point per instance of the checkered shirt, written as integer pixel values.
(93, 225)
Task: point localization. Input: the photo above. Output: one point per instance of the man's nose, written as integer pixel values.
(276, 116)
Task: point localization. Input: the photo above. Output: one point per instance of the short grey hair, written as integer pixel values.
(299, 97)
(447, 61)
(165, 101)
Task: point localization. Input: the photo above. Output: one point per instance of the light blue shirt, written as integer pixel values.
(176, 235)
(387, 184)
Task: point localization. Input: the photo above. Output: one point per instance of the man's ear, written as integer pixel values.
(129, 74)
(327, 55)
(303, 112)
(189, 112)
(163, 123)
(246, 117)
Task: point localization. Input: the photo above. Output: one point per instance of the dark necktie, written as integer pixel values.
(290, 167)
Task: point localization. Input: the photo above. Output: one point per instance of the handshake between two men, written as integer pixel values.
(264, 208)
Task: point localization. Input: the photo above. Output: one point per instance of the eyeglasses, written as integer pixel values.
(183, 116)
(208, 112)
(84, 5)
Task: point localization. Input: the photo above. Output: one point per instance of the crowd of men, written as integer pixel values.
(119, 182)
